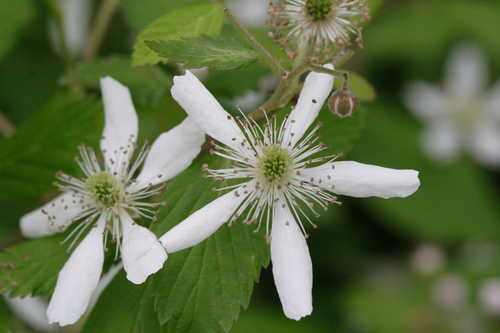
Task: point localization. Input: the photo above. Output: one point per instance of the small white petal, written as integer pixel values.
(32, 310)
(441, 141)
(75, 15)
(61, 210)
(171, 153)
(292, 266)
(363, 180)
(78, 278)
(141, 252)
(466, 72)
(426, 101)
(204, 109)
(315, 91)
(121, 124)
(485, 143)
(202, 223)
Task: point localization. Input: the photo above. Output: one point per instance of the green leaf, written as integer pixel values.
(449, 196)
(149, 85)
(46, 144)
(185, 22)
(31, 267)
(200, 290)
(15, 16)
(140, 13)
(360, 87)
(215, 52)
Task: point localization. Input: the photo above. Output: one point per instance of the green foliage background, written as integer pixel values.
(363, 278)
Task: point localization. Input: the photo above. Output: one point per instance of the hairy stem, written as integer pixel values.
(286, 90)
(100, 28)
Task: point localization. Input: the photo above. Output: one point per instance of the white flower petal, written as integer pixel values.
(315, 91)
(426, 101)
(362, 180)
(171, 153)
(121, 124)
(441, 141)
(466, 73)
(78, 278)
(32, 310)
(62, 210)
(141, 252)
(202, 223)
(292, 266)
(204, 109)
(485, 143)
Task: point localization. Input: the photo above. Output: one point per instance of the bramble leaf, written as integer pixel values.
(205, 51)
(191, 21)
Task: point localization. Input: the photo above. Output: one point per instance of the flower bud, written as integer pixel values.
(343, 102)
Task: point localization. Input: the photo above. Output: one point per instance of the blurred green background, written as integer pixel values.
(421, 264)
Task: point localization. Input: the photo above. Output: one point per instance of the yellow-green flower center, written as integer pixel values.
(274, 163)
(104, 188)
(318, 10)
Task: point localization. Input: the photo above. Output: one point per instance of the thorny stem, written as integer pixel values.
(264, 53)
(6, 127)
(100, 27)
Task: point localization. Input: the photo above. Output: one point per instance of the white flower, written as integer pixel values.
(105, 199)
(461, 115)
(273, 165)
(75, 16)
(32, 310)
(321, 22)
(489, 296)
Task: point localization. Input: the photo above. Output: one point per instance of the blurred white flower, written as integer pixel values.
(461, 115)
(104, 200)
(31, 310)
(278, 178)
(251, 13)
(428, 259)
(75, 15)
(489, 296)
(451, 292)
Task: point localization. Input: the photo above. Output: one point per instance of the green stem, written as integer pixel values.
(264, 53)
(286, 90)
(100, 28)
